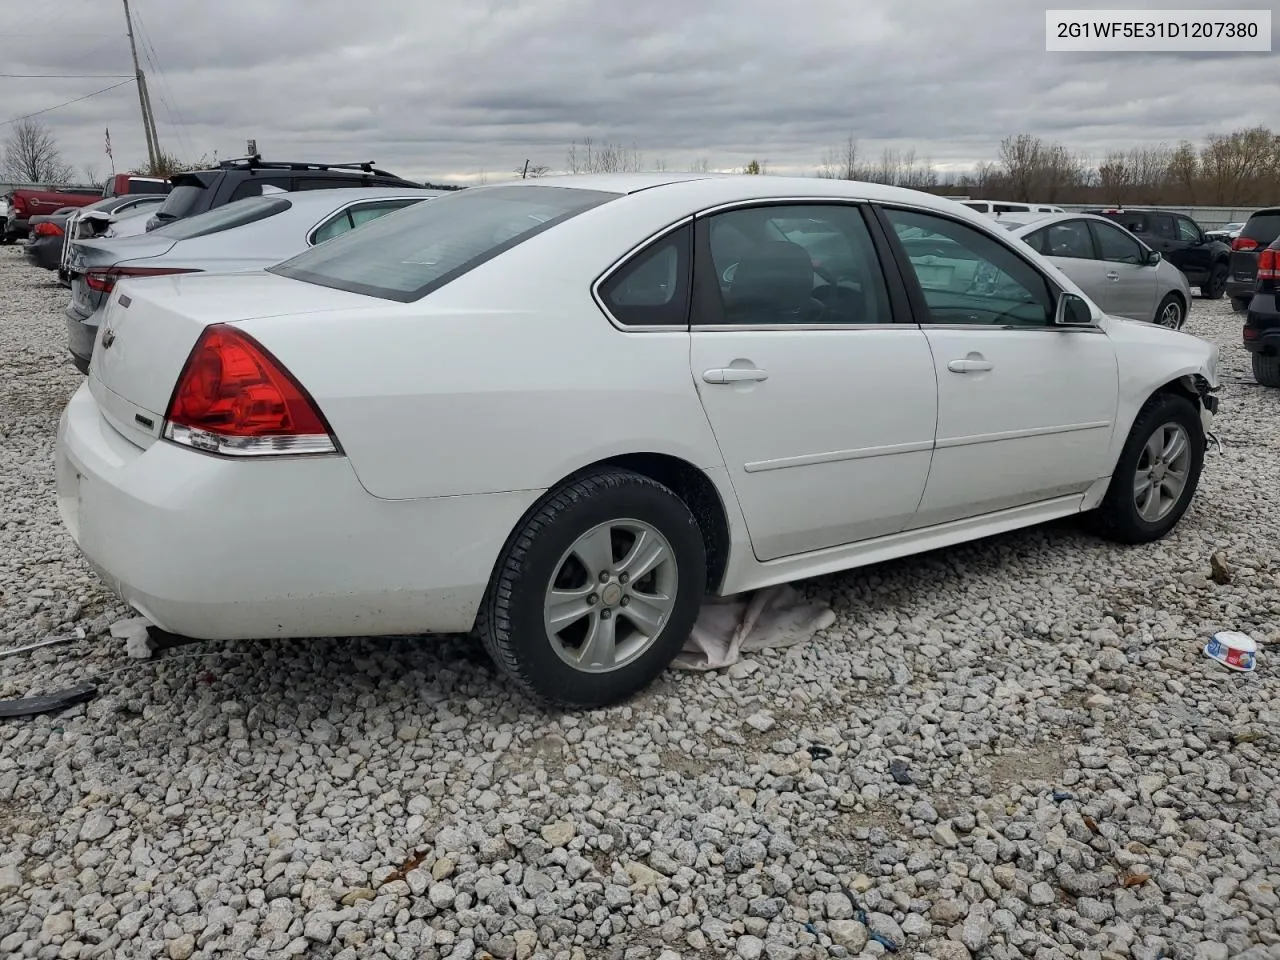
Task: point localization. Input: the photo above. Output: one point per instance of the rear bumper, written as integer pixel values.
(1240, 289)
(81, 335)
(44, 252)
(213, 548)
(1263, 319)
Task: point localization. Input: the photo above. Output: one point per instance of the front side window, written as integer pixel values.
(1116, 245)
(791, 263)
(406, 257)
(652, 288)
(1188, 231)
(1067, 239)
(968, 277)
(225, 217)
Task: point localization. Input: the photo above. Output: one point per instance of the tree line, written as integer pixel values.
(1237, 169)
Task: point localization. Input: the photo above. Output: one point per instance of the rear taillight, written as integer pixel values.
(234, 398)
(104, 280)
(1251, 333)
(1244, 243)
(47, 230)
(1267, 266)
(20, 206)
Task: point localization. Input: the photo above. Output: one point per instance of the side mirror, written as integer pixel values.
(1072, 311)
(1153, 257)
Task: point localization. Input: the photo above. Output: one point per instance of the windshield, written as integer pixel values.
(407, 254)
(248, 210)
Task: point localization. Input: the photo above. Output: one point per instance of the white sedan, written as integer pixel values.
(563, 411)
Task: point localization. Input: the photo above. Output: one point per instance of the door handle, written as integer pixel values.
(734, 375)
(970, 366)
(1113, 275)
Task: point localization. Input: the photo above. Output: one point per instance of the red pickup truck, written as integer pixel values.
(24, 204)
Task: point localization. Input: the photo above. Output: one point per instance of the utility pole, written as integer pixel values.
(525, 174)
(144, 98)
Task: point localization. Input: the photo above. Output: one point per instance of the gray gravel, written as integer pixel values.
(1084, 783)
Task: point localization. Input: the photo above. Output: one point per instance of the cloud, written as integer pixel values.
(435, 89)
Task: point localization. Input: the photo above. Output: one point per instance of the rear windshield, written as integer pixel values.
(1263, 226)
(248, 210)
(406, 255)
(182, 200)
(147, 186)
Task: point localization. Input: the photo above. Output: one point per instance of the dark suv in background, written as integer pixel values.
(1180, 240)
(1260, 231)
(203, 190)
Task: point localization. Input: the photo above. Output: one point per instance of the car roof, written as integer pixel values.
(710, 188)
(1048, 219)
(339, 196)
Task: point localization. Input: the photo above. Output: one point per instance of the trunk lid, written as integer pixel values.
(154, 322)
(85, 255)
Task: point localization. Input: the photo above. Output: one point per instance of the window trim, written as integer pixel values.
(915, 293)
(623, 261)
(899, 307)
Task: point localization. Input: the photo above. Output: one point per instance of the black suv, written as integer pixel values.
(1180, 241)
(231, 180)
(1262, 322)
(1260, 231)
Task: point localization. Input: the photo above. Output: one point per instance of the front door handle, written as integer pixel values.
(734, 375)
(970, 366)
(1113, 275)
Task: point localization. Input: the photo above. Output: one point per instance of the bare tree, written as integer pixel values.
(701, 165)
(603, 158)
(1240, 165)
(1184, 170)
(1022, 158)
(528, 169)
(31, 155)
(91, 175)
(1114, 177)
(841, 163)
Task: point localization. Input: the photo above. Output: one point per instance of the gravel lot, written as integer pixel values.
(1083, 781)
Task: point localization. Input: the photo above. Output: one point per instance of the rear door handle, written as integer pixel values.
(1113, 275)
(970, 366)
(734, 375)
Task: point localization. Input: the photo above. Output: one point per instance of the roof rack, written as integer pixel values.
(255, 162)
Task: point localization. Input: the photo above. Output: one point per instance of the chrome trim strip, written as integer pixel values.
(838, 456)
(1028, 327)
(771, 201)
(1022, 434)
(775, 327)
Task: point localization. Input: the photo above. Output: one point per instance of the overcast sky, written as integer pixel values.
(440, 90)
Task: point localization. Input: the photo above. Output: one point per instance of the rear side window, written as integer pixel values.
(1263, 227)
(652, 288)
(148, 186)
(352, 217)
(253, 187)
(225, 217)
(184, 199)
(406, 257)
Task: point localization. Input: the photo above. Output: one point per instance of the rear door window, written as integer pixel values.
(1263, 227)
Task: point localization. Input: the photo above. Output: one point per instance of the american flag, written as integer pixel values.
(108, 141)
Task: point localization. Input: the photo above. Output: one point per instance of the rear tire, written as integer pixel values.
(1239, 304)
(600, 653)
(1217, 283)
(1266, 370)
(1136, 508)
(1172, 312)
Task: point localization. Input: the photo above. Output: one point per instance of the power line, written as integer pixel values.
(64, 76)
(65, 103)
(176, 118)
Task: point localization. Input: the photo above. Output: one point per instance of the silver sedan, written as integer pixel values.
(1118, 272)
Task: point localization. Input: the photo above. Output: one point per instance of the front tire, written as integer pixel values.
(1172, 312)
(1217, 283)
(597, 591)
(1157, 473)
(1266, 370)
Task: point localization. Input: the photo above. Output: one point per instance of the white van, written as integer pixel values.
(994, 207)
